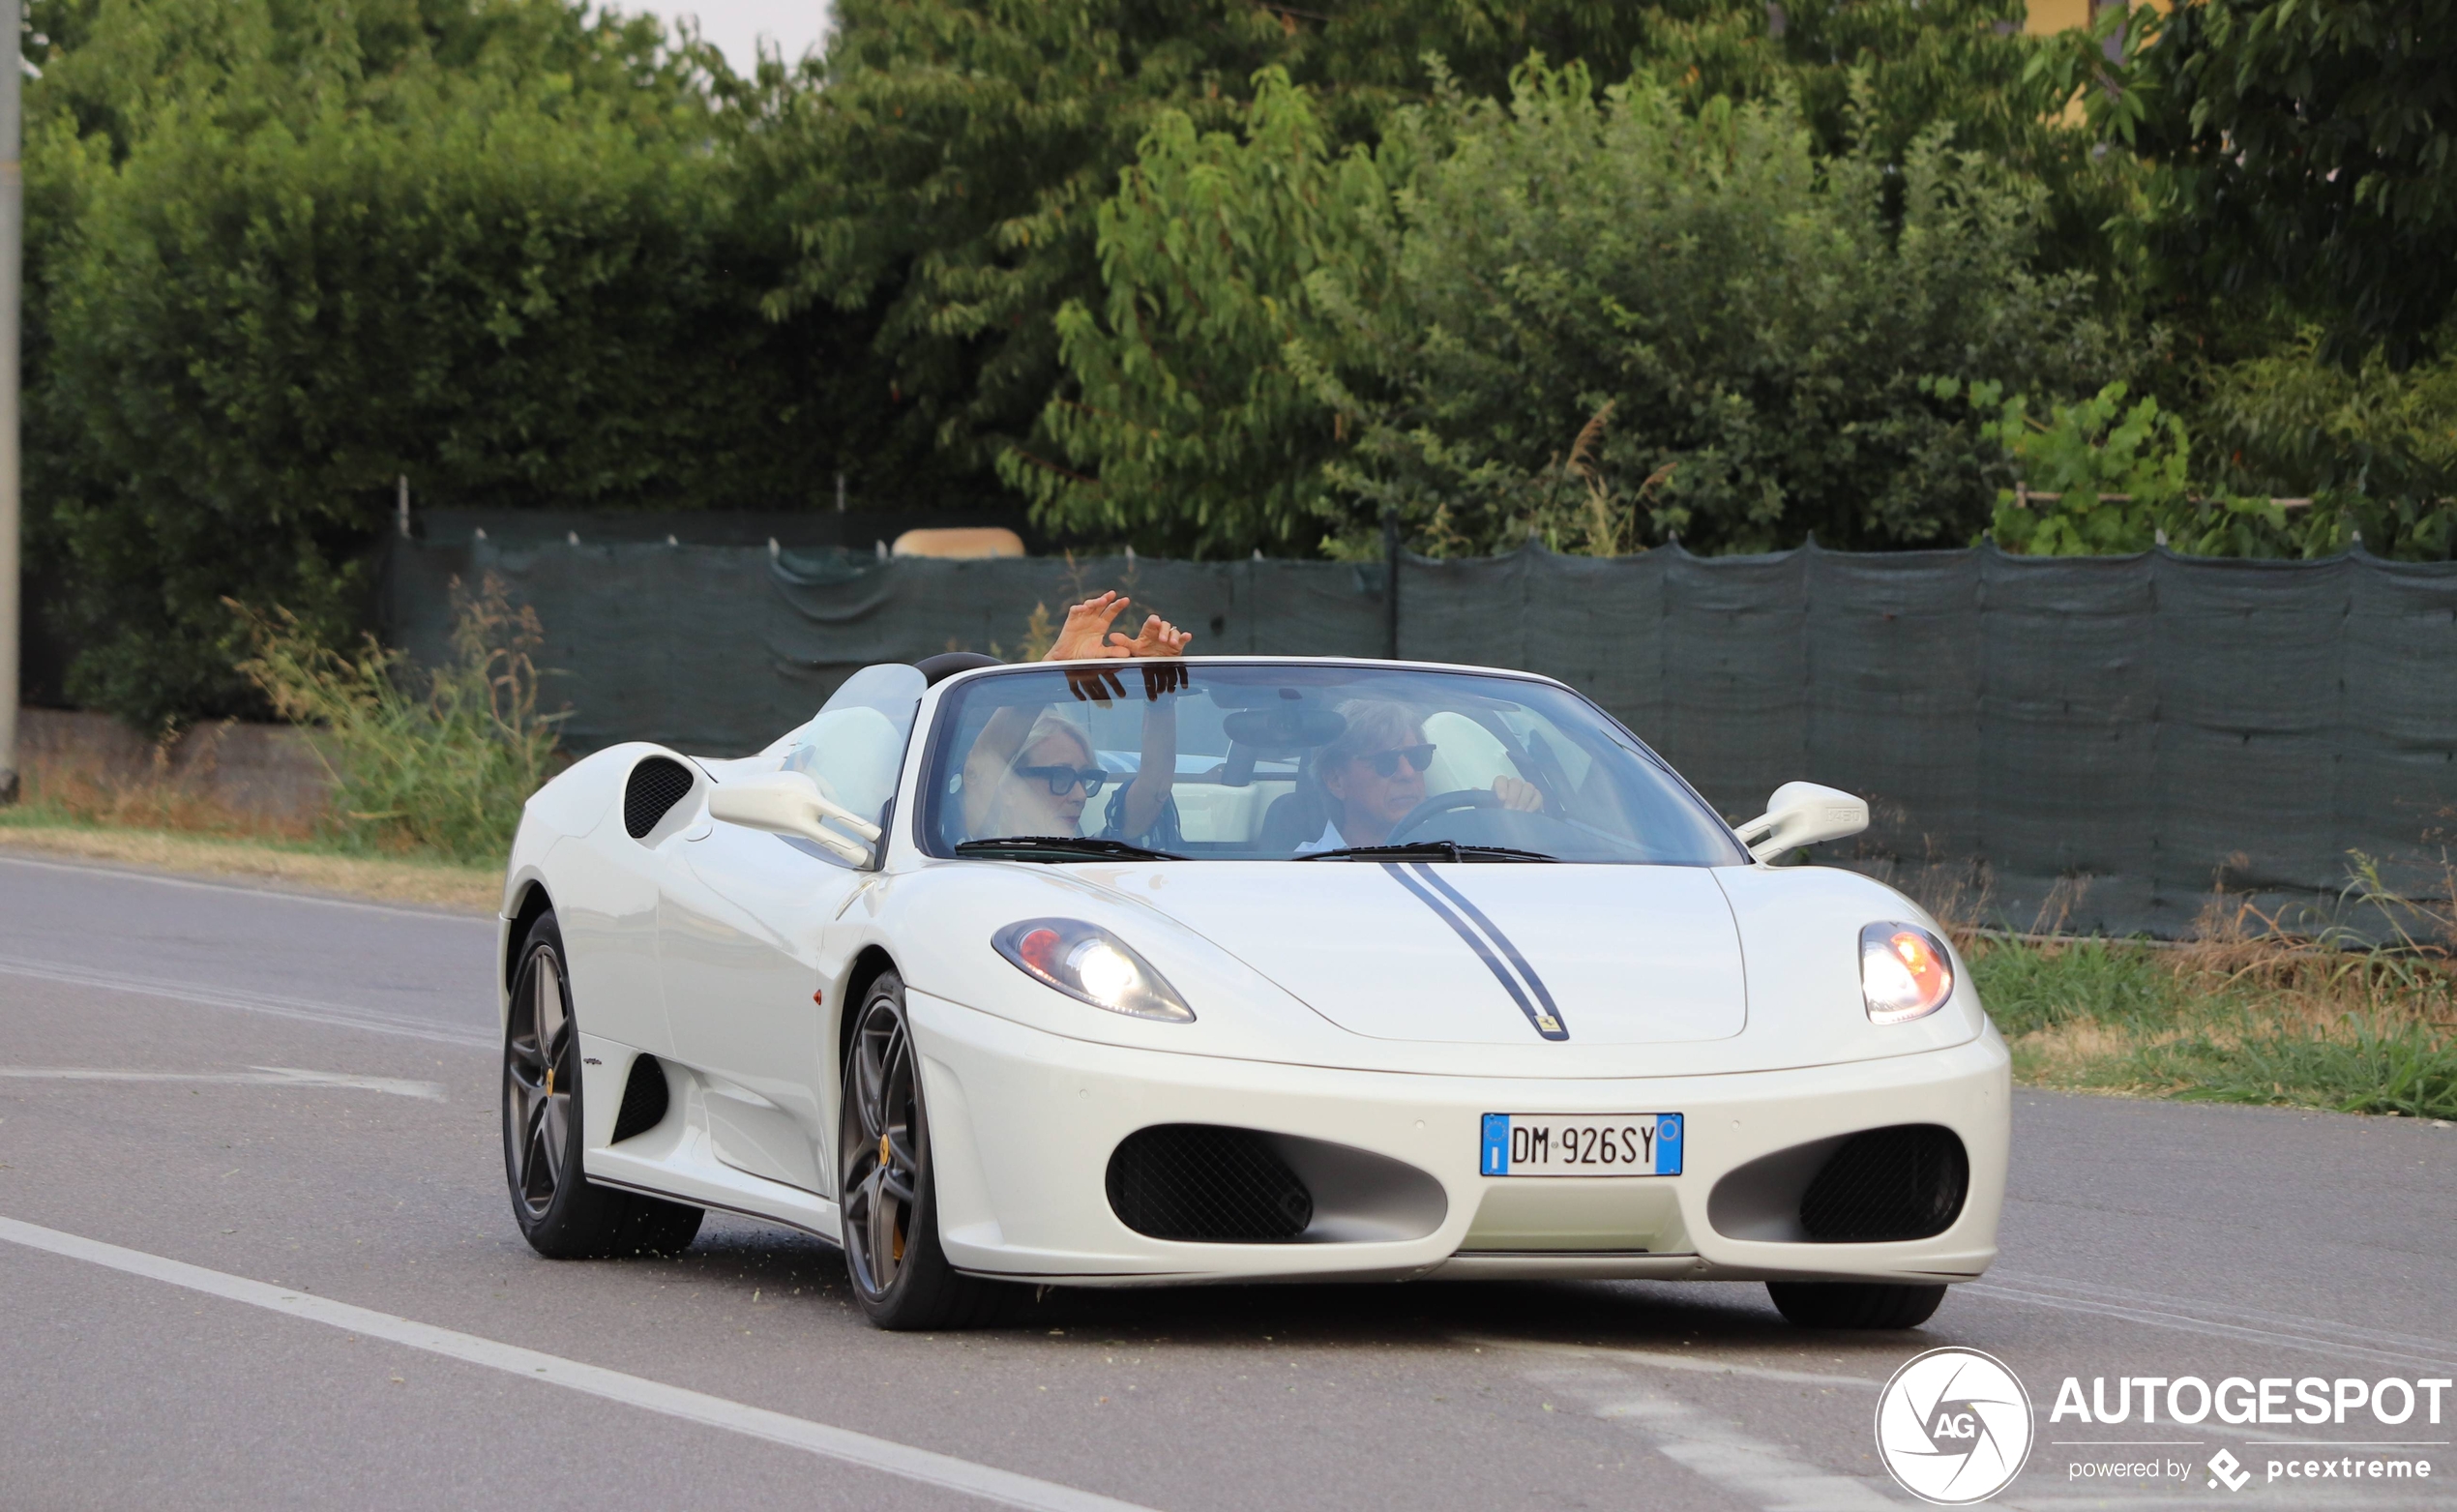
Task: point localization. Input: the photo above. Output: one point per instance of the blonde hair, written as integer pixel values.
(1051, 722)
(1014, 791)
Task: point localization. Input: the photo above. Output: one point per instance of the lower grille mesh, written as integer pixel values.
(1906, 1183)
(1199, 1182)
(643, 1099)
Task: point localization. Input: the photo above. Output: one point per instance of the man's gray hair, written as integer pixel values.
(1372, 724)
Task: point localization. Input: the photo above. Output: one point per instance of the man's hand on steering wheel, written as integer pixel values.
(1519, 796)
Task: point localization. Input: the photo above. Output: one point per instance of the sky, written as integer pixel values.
(736, 25)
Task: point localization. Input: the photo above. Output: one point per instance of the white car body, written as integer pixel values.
(1335, 1013)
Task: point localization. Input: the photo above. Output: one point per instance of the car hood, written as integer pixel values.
(1478, 954)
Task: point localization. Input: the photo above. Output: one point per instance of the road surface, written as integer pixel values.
(256, 1251)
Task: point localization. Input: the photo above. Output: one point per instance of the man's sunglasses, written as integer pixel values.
(1386, 762)
(1062, 779)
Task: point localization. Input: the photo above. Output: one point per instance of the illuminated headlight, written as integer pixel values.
(1905, 973)
(1086, 961)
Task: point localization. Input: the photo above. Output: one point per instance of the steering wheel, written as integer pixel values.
(1442, 802)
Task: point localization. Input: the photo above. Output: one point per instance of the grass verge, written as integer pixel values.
(294, 865)
(2228, 1020)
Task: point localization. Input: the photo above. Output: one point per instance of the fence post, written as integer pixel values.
(1390, 581)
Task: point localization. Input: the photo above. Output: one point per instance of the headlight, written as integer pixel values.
(1086, 961)
(1905, 973)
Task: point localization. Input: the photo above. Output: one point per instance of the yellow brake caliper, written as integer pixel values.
(900, 1228)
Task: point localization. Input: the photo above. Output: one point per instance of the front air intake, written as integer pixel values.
(656, 785)
(1204, 1184)
(644, 1100)
(1905, 1182)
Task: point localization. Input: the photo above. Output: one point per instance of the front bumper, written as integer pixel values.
(1023, 1123)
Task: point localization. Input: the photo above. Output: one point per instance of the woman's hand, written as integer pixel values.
(1086, 637)
(1079, 639)
(1159, 637)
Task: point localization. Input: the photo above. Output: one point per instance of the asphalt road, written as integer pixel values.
(256, 1253)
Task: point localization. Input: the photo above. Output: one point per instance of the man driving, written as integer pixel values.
(1373, 776)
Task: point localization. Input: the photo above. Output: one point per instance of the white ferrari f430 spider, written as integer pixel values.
(1226, 969)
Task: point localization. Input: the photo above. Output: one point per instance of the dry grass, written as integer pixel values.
(166, 820)
(296, 866)
(2244, 1011)
(162, 799)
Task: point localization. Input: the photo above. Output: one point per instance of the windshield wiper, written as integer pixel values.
(1061, 844)
(1447, 849)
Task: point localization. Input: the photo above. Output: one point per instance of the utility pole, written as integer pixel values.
(12, 261)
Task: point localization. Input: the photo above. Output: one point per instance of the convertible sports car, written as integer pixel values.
(1128, 972)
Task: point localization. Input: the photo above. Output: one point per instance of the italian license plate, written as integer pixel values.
(1580, 1144)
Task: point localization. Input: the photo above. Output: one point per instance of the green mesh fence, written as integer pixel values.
(2085, 743)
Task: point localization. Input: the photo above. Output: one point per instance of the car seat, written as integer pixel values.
(1294, 818)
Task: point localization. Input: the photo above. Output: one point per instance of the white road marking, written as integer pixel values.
(1742, 1465)
(374, 1020)
(1762, 1474)
(101, 869)
(1657, 1359)
(2418, 1353)
(254, 1076)
(927, 1466)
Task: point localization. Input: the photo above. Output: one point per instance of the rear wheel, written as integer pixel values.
(901, 1275)
(561, 1213)
(1855, 1304)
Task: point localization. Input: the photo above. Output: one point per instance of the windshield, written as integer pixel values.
(1226, 760)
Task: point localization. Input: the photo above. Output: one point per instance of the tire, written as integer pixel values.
(561, 1213)
(1855, 1304)
(888, 1197)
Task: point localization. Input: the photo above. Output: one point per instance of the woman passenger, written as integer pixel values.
(1032, 773)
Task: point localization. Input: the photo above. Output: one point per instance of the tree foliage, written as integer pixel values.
(2310, 153)
(940, 174)
(2107, 477)
(1214, 276)
(2375, 448)
(1294, 340)
(289, 254)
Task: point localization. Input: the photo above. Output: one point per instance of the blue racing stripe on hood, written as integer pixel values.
(1509, 947)
(1544, 1021)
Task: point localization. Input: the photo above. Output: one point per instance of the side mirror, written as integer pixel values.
(789, 803)
(1801, 813)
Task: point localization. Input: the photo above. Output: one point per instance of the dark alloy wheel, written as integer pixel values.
(1855, 1304)
(901, 1275)
(561, 1213)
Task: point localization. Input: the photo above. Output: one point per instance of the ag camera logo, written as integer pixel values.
(1953, 1426)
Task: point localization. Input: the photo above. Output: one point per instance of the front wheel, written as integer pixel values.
(561, 1213)
(900, 1274)
(1855, 1304)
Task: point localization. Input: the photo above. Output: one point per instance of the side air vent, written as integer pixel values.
(1905, 1182)
(643, 1099)
(656, 785)
(1202, 1183)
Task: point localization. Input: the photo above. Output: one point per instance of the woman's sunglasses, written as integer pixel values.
(1385, 764)
(1062, 779)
